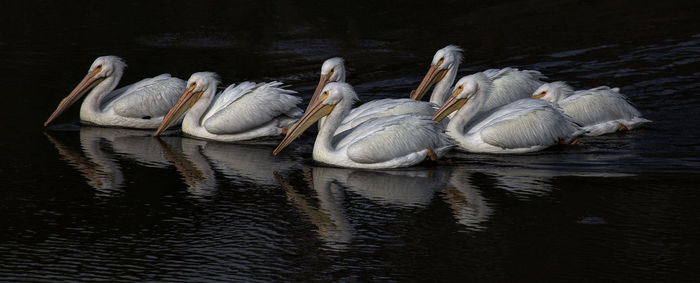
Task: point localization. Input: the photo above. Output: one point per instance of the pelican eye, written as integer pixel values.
(442, 60)
(458, 90)
(324, 95)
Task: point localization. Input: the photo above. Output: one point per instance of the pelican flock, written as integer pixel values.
(507, 84)
(521, 126)
(495, 111)
(333, 70)
(385, 142)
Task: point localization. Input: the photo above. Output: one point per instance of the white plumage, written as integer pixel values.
(507, 84)
(442, 73)
(599, 110)
(386, 107)
(333, 70)
(384, 142)
(379, 140)
(241, 112)
(140, 105)
(510, 84)
(525, 125)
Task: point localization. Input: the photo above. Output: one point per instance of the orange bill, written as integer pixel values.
(433, 76)
(185, 102)
(83, 87)
(317, 111)
(451, 105)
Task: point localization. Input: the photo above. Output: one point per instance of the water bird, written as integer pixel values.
(241, 112)
(508, 84)
(140, 105)
(600, 110)
(333, 70)
(384, 142)
(525, 125)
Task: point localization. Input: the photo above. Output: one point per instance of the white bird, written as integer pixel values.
(241, 112)
(600, 110)
(384, 142)
(508, 84)
(333, 70)
(140, 105)
(525, 125)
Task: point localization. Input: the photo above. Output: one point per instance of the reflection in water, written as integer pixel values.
(468, 205)
(197, 160)
(242, 163)
(328, 215)
(137, 145)
(402, 189)
(530, 175)
(192, 165)
(101, 149)
(96, 165)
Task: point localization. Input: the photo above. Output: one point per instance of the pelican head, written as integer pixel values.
(102, 68)
(467, 88)
(444, 59)
(197, 85)
(332, 70)
(553, 92)
(332, 94)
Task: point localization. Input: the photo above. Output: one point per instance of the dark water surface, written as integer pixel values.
(85, 203)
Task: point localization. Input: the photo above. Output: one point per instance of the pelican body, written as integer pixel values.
(140, 105)
(333, 70)
(383, 142)
(241, 112)
(600, 110)
(507, 84)
(526, 125)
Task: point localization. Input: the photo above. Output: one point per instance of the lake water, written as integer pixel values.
(80, 203)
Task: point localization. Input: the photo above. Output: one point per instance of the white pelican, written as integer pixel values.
(140, 105)
(600, 110)
(333, 70)
(508, 84)
(525, 125)
(384, 142)
(241, 112)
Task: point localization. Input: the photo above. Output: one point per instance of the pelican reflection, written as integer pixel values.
(96, 165)
(102, 150)
(193, 166)
(327, 214)
(243, 163)
(469, 207)
(391, 189)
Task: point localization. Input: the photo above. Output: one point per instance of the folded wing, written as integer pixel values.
(151, 97)
(253, 109)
